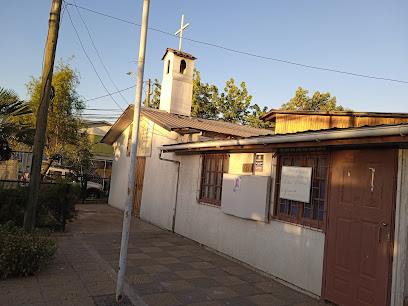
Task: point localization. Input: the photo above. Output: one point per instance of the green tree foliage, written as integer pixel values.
(12, 124)
(234, 103)
(252, 119)
(205, 99)
(155, 100)
(65, 135)
(319, 101)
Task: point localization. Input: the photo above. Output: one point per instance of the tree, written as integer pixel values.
(155, 100)
(252, 119)
(13, 129)
(205, 99)
(65, 136)
(234, 103)
(319, 101)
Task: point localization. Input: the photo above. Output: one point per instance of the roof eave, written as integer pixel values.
(395, 133)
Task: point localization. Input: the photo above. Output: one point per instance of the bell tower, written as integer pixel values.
(177, 85)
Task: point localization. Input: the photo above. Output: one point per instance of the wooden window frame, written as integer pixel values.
(224, 169)
(315, 196)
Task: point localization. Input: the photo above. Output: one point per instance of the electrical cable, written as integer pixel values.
(89, 33)
(110, 94)
(247, 53)
(83, 48)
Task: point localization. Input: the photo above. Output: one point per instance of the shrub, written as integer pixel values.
(12, 204)
(23, 253)
(56, 202)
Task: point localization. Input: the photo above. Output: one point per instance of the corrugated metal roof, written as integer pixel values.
(181, 124)
(179, 53)
(119, 126)
(338, 133)
(173, 122)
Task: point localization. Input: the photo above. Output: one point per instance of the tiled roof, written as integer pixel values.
(179, 53)
(181, 124)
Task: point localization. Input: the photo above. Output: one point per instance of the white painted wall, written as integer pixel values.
(236, 161)
(177, 88)
(289, 252)
(159, 186)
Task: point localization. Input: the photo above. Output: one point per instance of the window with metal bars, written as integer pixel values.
(311, 214)
(213, 168)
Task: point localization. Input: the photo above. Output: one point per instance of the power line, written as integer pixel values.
(89, 33)
(110, 94)
(100, 97)
(83, 48)
(107, 117)
(247, 53)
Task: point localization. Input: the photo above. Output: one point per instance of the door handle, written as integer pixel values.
(379, 231)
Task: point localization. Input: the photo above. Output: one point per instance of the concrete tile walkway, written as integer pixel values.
(163, 269)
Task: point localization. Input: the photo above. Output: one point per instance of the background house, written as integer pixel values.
(101, 166)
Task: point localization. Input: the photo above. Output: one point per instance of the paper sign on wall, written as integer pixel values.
(296, 183)
(259, 163)
(144, 146)
(247, 168)
(237, 184)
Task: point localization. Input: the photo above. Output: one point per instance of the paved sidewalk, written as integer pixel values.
(163, 269)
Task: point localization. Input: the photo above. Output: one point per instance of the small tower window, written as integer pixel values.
(183, 67)
(168, 67)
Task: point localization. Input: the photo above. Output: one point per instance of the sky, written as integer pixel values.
(367, 37)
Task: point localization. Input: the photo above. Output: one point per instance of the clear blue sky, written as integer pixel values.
(364, 37)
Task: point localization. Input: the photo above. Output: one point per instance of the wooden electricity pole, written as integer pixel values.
(148, 93)
(42, 114)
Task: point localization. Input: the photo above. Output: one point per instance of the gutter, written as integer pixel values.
(173, 225)
(378, 131)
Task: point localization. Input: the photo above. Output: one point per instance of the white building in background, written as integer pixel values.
(241, 191)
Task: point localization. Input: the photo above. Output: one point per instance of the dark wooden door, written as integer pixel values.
(138, 187)
(360, 227)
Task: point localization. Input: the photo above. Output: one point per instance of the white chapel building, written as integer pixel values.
(321, 209)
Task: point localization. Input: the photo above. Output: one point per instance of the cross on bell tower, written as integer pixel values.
(182, 27)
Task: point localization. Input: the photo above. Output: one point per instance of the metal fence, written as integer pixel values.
(14, 195)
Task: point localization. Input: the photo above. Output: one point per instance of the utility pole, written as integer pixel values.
(42, 114)
(133, 154)
(148, 93)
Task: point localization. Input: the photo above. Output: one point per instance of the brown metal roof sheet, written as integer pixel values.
(293, 144)
(179, 53)
(119, 126)
(174, 122)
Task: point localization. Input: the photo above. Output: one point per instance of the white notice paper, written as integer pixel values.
(296, 183)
